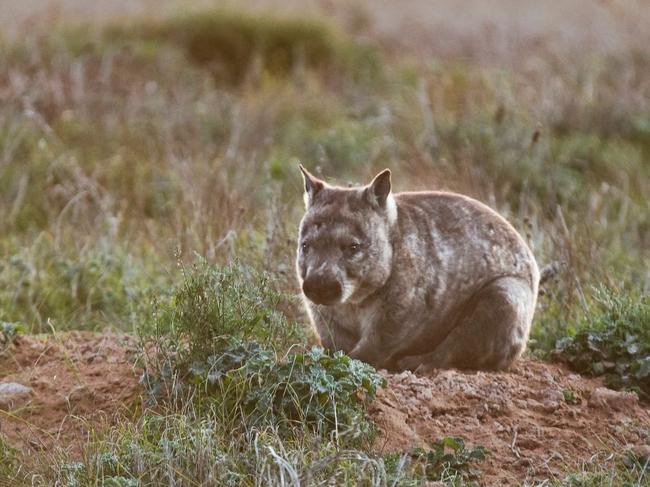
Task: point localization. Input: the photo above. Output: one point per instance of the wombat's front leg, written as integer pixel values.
(334, 337)
(369, 349)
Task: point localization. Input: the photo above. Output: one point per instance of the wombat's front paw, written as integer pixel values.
(408, 363)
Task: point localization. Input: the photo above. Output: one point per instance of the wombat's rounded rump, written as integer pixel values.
(414, 280)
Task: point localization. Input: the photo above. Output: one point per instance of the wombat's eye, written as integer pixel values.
(304, 247)
(352, 249)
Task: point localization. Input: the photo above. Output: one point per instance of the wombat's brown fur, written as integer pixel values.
(414, 280)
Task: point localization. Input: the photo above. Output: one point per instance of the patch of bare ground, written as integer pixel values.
(537, 419)
(79, 380)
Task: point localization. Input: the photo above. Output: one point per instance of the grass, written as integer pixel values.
(127, 151)
(617, 468)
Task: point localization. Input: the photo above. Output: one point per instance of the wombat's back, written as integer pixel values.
(462, 239)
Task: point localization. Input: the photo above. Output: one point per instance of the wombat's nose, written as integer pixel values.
(322, 290)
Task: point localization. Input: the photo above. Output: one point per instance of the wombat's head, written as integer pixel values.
(344, 247)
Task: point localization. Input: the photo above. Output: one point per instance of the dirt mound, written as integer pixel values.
(537, 419)
(79, 379)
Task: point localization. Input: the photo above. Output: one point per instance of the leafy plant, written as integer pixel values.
(8, 333)
(313, 389)
(219, 335)
(214, 302)
(613, 341)
(448, 458)
(570, 397)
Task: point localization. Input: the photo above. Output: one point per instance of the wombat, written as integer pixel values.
(414, 280)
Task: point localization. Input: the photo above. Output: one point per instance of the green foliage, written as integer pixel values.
(570, 397)
(208, 336)
(231, 44)
(216, 302)
(613, 341)
(9, 332)
(96, 288)
(448, 459)
(312, 390)
(10, 466)
(619, 469)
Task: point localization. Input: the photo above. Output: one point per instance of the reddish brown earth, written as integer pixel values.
(83, 381)
(80, 380)
(521, 416)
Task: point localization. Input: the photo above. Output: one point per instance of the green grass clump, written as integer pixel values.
(186, 450)
(619, 468)
(233, 45)
(312, 390)
(8, 333)
(613, 341)
(44, 288)
(213, 303)
(10, 465)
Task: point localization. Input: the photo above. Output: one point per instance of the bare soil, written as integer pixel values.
(521, 416)
(80, 380)
(83, 381)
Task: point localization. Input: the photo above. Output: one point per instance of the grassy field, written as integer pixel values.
(149, 165)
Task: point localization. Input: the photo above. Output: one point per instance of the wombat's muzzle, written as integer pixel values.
(322, 289)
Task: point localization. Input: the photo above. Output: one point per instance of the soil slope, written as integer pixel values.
(521, 416)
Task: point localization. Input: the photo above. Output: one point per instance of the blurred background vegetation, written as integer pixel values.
(132, 139)
(136, 135)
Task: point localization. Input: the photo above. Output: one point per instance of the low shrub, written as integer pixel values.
(613, 341)
(233, 44)
(223, 339)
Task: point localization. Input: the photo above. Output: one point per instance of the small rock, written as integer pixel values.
(13, 395)
(602, 397)
(542, 407)
(552, 395)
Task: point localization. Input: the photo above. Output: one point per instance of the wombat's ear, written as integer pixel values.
(312, 186)
(379, 189)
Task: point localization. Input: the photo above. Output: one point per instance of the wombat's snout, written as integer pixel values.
(322, 289)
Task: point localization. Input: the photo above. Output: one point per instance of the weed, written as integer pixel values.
(613, 341)
(94, 289)
(448, 459)
(10, 466)
(570, 397)
(618, 468)
(9, 333)
(215, 302)
(207, 336)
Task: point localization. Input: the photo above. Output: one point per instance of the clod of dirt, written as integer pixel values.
(13, 395)
(602, 397)
(533, 418)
